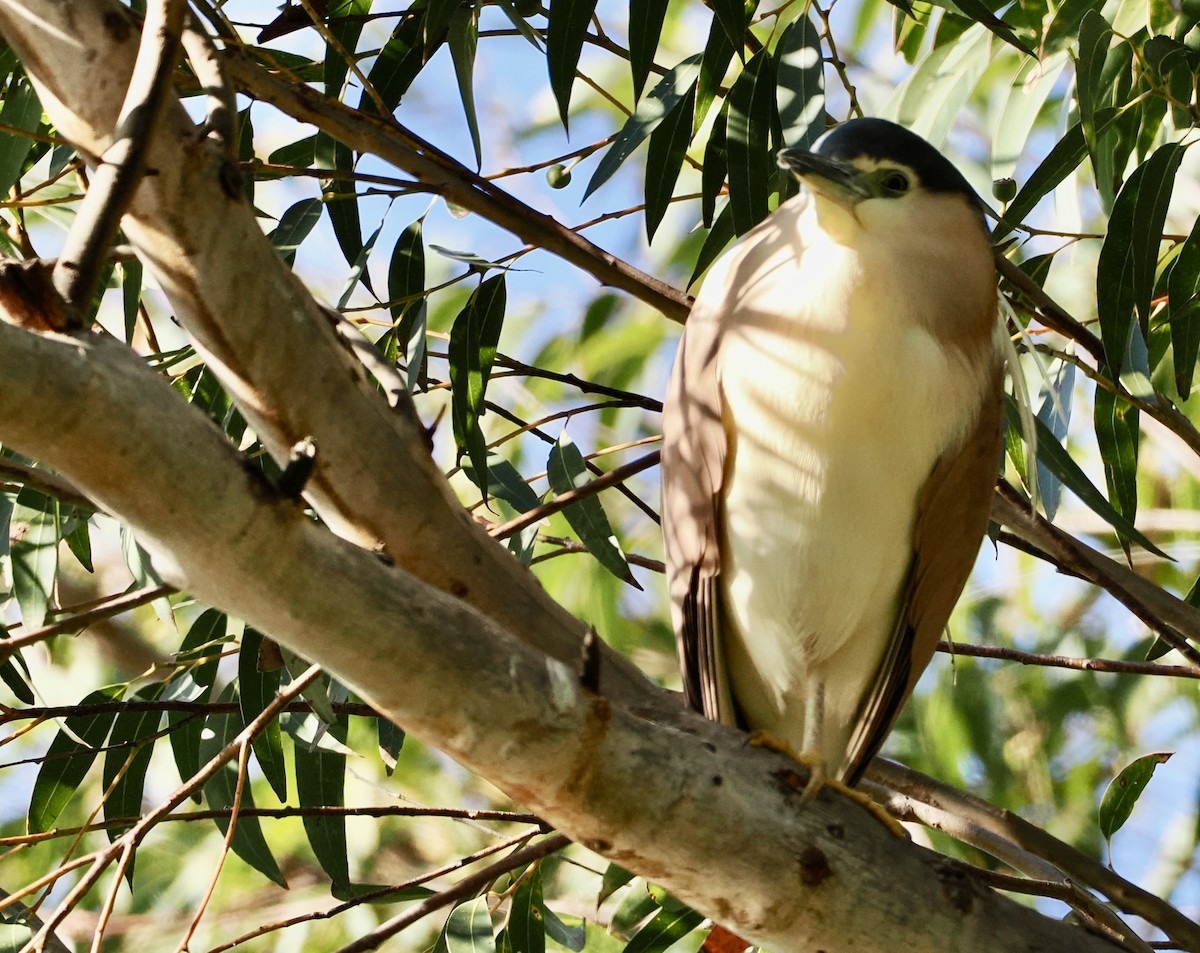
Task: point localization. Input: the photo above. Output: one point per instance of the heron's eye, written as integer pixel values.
(895, 183)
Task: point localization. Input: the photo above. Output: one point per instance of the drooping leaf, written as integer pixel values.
(131, 744)
(474, 337)
(565, 33)
(220, 791)
(715, 242)
(69, 758)
(36, 521)
(340, 199)
(131, 294)
(1094, 37)
(1183, 292)
(527, 916)
(321, 782)
(1128, 257)
(716, 165)
(652, 110)
(751, 101)
(1117, 436)
(344, 19)
(198, 654)
(1058, 461)
(715, 60)
(566, 471)
(21, 111)
(391, 740)
(1125, 789)
(664, 159)
(257, 688)
(463, 39)
(734, 18)
(645, 27)
(800, 84)
(1055, 413)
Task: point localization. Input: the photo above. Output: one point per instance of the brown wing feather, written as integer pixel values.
(693, 464)
(951, 520)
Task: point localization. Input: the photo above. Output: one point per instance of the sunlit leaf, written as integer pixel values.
(1125, 789)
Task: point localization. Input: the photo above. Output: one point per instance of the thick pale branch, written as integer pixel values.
(268, 340)
(714, 820)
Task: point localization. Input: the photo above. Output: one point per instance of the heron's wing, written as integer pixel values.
(952, 517)
(693, 464)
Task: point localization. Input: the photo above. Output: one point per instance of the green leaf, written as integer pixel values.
(566, 471)
(527, 916)
(664, 929)
(68, 759)
(718, 54)
(294, 226)
(257, 688)
(645, 27)
(716, 165)
(469, 928)
(565, 33)
(1055, 413)
(193, 684)
(23, 111)
(474, 338)
(464, 37)
(37, 527)
(800, 84)
(978, 12)
(391, 740)
(650, 112)
(131, 293)
(1126, 270)
(664, 158)
(1117, 434)
(1095, 35)
(131, 743)
(615, 877)
(715, 242)
(751, 101)
(734, 18)
(437, 21)
(321, 782)
(1061, 161)
(399, 62)
(344, 19)
(220, 791)
(299, 154)
(1059, 462)
(1124, 790)
(406, 287)
(340, 199)
(1183, 293)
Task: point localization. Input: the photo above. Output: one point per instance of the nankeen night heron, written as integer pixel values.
(830, 444)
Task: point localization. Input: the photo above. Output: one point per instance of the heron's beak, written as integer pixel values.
(837, 181)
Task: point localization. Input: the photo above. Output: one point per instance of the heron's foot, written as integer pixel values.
(818, 777)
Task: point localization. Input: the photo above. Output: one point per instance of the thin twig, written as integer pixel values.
(1034, 842)
(563, 500)
(1119, 666)
(466, 887)
(124, 162)
(116, 606)
(1167, 615)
